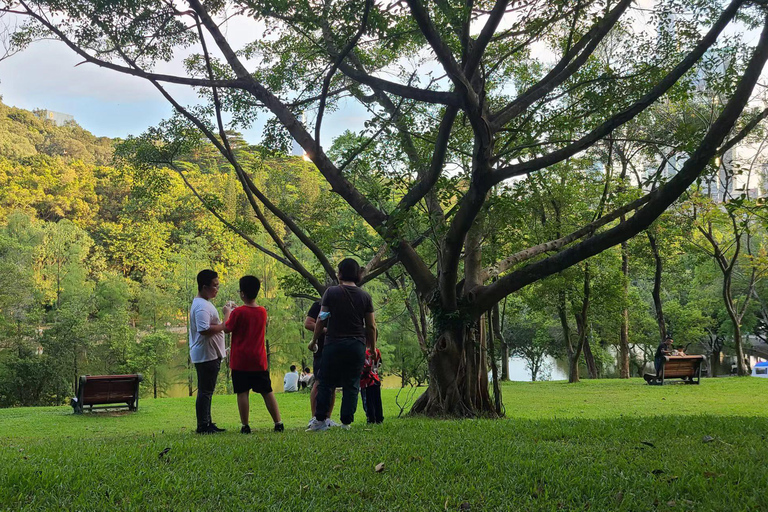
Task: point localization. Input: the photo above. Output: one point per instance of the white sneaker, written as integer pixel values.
(332, 423)
(310, 422)
(318, 426)
(345, 427)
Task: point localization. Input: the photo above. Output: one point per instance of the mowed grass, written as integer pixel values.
(597, 445)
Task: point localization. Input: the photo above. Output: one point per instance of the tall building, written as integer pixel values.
(58, 118)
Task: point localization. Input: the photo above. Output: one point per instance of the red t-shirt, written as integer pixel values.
(370, 375)
(248, 326)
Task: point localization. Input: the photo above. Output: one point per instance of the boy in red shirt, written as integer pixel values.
(248, 355)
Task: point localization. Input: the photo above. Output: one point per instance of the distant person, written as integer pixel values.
(248, 354)
(664, 349)
(348, 312)
(317, 357)
(306, 378)
(206, 347)
(370, 387)
(291, 380)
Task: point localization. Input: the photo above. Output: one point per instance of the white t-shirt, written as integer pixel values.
(202, 348)
(291, 382)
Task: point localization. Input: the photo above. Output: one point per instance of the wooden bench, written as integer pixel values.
(101, 390)
(686, 368)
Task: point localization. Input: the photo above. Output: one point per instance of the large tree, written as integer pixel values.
(461, 97)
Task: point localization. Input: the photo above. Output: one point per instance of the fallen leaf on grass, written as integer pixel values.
(465, 506)
(672, 479)
(248, 474)
(379, 467)
(619, 497)
(162, 453)
(337, 466)
(671, 503)
(415, 457)
(711, 474)
(646, 443)
(707, 439)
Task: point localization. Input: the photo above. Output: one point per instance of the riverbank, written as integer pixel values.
(599, 445)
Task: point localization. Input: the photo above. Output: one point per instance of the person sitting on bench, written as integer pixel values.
(665, 349)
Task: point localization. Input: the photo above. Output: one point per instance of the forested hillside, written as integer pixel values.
(98, 258)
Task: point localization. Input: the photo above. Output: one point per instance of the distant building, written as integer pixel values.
(58, 118)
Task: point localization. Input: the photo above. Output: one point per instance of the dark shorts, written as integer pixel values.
(259, 382)
(316, 363)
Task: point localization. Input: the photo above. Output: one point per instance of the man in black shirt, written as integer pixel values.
(309, 324)
(347, 311)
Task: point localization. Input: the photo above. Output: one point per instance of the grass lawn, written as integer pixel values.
(598, 445)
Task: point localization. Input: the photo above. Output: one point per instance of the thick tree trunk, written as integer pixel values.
(494, 369)
(502, 343)
(730, 307)
(714, 363)
(573, 357)
(624, 335)
(458, 385)
(582, 325)
(656, 292)
(190, 378)
(589, 359)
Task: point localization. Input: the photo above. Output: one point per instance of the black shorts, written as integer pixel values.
(259, 382)
(316, 362)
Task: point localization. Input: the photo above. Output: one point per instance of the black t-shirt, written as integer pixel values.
(348, 306)
(314, 312)
(659, 354)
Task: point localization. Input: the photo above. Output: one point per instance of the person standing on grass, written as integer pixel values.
(206, 346)
(370, 387)
(248, 354)
(348, 312)
(291, 380)
(317, 358)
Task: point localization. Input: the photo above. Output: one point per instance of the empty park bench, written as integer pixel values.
(107, 389)
(686, 368)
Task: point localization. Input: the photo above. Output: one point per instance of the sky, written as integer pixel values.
(107, 103)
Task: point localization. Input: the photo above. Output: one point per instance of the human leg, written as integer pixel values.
(207, 373)
(271, 402)
(243, 407)
(374, 403)
(313, 398)
(352, 359)
(327, 382)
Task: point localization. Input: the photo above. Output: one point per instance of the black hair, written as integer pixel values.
(349, 270)
(205, 278)
(293, 367)
(668, 337)
(250, 286)
(306, 370)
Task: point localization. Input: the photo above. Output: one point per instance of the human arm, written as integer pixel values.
(204, 325)
(370, 330)
(319, 329)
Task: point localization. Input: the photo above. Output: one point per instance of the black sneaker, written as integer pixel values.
(213, 427)
(205, 430)
(279, 427)
(245, 430)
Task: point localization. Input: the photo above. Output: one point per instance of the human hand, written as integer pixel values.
(312, 346)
